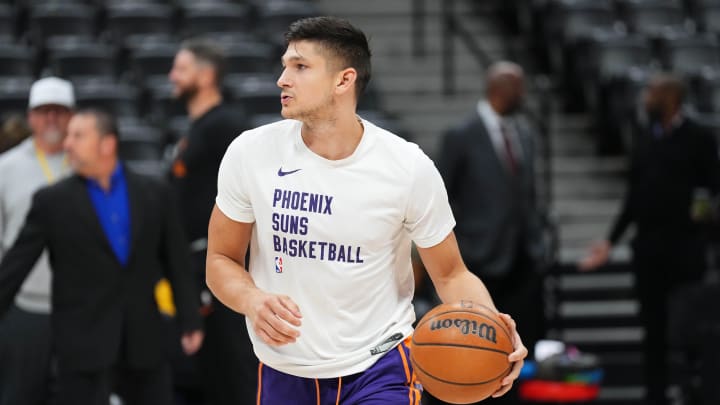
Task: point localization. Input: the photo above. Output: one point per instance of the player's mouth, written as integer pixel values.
(284, 99)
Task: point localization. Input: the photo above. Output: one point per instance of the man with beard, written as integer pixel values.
(226, 362)
(671, 159)
(25, 339)
(487, 164)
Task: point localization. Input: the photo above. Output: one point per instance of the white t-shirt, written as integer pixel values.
(335, 236)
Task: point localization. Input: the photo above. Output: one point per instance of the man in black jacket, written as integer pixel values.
(111, 235)
(227, 365)
(672, 159)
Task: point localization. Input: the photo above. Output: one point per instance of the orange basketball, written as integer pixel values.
(460, 352)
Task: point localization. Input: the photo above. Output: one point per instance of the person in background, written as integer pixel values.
(672, 158)
(25, 336)
(111, 236)
(14, 130)
(487, 163)
(227, 364)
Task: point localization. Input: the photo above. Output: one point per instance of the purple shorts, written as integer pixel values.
(390, 381)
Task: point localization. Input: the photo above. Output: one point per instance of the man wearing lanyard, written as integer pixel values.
(111, 234)
(25, 339)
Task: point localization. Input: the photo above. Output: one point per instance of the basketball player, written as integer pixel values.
(329, 205)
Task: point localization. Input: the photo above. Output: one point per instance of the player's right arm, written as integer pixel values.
(274, 318)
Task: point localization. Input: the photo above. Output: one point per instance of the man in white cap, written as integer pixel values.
(25, 342)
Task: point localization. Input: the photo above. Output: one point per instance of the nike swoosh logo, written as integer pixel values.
(282, 173)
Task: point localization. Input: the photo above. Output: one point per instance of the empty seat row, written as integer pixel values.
(123, 22)
(144, 63)
(255, 94)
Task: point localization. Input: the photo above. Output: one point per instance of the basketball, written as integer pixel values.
(460, 352)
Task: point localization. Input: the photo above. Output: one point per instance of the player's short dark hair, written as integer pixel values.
(105, 122)
(208, 53)
(345, 42)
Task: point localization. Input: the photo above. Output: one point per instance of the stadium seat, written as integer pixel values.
(141, 142)
(656, 18)
(573, 20)
(129, 22)
(277, 15)
(142, 148)
(163, 106)
(118, 98)
(16, 60)
(78, 60)
(704, 92)
(207, 17)
(151, 61)
(8, 21)
(255, 93)
(49, 20)
(614, 56)
(250, 57)
(708, 18)
(690, 56)
(14, 96)
(568, 24)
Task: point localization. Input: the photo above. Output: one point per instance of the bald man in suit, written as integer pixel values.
(487, 165)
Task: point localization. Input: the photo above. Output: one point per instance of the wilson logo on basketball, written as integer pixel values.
(466, 327)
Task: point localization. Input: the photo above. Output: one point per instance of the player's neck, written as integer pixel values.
(203, 102)
(335, 138)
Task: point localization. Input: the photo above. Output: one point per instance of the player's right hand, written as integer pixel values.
(275, 318)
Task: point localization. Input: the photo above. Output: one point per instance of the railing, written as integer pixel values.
(451, 27)
(454, 28)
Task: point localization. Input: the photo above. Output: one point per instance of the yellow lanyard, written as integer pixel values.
(45, 166)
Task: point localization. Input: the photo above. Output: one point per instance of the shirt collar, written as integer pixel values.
(117, 177)
(489, 115)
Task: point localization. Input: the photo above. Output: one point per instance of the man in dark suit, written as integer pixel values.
(673, 158)
(487, 166)
(111, 235)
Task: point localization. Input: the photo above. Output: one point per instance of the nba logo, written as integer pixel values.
(278, 264)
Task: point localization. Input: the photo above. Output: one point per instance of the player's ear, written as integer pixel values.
(346, 80)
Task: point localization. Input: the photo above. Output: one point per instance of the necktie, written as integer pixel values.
(509, 153)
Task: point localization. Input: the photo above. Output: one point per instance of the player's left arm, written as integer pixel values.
(454, 282)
